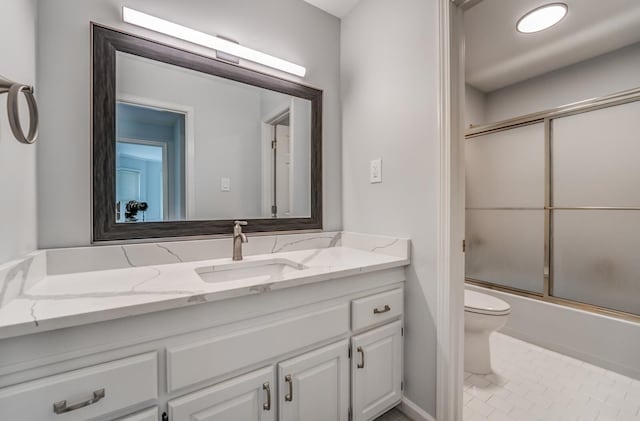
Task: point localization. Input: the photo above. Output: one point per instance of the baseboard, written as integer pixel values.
(413, 411)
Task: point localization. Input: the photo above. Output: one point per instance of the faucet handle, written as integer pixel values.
(243, 223)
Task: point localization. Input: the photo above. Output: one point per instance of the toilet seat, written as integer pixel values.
(476, 302)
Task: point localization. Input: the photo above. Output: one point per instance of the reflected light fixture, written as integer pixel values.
(542, 18)
(184, 33)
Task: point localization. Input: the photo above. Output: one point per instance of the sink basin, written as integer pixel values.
(263, 270)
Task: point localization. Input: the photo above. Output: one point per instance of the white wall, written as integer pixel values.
(389, 100)
(475, 104)
(17, 161)
(607, 74)
(311, 39)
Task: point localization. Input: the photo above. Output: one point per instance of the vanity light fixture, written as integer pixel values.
(184, 33)
(542, 18)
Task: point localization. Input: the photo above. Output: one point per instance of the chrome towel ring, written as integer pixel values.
(14, 89)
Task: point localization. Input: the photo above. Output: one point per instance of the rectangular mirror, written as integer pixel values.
(185, 144)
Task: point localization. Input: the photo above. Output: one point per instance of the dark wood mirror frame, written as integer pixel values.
(106, 42)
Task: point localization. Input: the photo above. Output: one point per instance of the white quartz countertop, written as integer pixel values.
(72, 299)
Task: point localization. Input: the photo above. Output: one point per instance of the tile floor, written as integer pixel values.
(393, 415)
(532, 383)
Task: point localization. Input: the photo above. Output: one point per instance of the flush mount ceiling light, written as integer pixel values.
(542, 18)
(196, 37)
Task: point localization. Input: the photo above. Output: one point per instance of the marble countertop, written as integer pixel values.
(64, 300)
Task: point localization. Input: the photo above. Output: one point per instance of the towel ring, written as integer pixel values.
(14, 90)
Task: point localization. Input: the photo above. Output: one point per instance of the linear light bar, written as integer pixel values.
(153, 23)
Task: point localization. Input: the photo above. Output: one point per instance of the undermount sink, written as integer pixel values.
(272, 269)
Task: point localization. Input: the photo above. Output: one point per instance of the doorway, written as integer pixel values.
(278, 164)
(150, 164)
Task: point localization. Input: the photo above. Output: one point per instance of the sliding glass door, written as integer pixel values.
(553, 205)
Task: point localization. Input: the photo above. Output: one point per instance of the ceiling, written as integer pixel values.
(338, 8)
(497, 55)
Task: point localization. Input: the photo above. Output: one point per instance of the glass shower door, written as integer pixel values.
(505, 208)
(596, 211)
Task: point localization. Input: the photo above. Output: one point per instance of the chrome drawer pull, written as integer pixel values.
(267, 406)
(384, 310)
(61, 406)
(361, 351)
(289, 396)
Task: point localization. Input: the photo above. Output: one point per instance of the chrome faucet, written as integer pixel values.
(238, 238)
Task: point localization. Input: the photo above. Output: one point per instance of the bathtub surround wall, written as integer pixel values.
(17, 161)
(311, 39)
(389, 99)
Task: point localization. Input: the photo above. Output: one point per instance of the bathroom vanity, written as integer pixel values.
(298, 334)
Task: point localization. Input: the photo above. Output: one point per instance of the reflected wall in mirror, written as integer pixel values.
(184, 144)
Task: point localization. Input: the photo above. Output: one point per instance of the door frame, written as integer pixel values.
(451, 218)
(266, 136)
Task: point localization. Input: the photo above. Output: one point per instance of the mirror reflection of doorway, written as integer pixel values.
(149, 163)
(281, 165)
(140, 177)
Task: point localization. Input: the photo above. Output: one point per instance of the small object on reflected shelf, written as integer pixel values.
(13, 90)
(132, 209)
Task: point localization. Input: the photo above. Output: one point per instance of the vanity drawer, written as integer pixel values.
(96, 391)
(202, 361)
(376, 309)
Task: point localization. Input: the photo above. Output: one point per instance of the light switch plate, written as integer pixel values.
(225, 184)
(375, 171)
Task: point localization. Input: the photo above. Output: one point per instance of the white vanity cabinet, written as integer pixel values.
(376, 371)
(330, 351)
(315, 386)
(245, 398)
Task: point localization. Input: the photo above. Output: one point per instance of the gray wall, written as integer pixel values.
(17, 161)
(311, 39)
(389, 99)
(603, 75)
(475, 105)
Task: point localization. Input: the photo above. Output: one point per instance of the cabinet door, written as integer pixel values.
(250, 397)
(315, 385)
(376, 371)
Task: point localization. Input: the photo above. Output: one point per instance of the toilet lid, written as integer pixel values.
(477, 302)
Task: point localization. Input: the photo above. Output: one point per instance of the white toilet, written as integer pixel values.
(483, 314)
